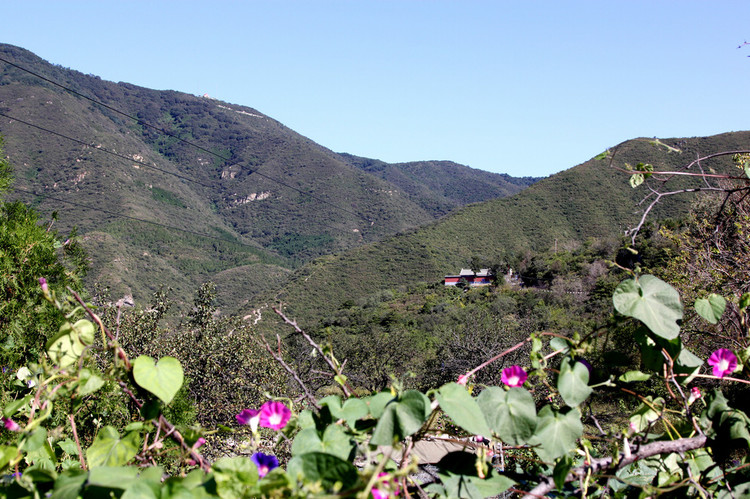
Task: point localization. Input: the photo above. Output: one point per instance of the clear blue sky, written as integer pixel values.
(518, 87)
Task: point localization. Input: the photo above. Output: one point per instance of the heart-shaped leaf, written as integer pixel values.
(109, 449)
(711, 308)
(573, 382)
(510, 414)
(653, 302)
(163, 379)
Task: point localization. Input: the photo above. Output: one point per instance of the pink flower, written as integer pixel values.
(274, 415)
(514, 376)
(723, 361)
(385, 487)
(249, 416)
(463, 379)
(11, 425)
(198, 443)
(43, 284)
(695, 394)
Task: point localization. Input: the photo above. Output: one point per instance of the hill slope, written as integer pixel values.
(169, 188)
(591, 200)
(441, 186)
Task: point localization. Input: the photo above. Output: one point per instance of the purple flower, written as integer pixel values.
(723, 361)
(264, 462)
(274, 415)
(11, 425)
(385, 487)
(43, 283)
(514, 376)
(249, 416)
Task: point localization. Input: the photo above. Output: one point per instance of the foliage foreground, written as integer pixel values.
(527, 436)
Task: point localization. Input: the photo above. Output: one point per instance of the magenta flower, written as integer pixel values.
(723, 361)
(11, 425)
(198, 443)
(43, 284)
(514, 376)
(249, 417)
(264, 462)
(385, 487)
(695, 394)
(463, 379)
(274, 415)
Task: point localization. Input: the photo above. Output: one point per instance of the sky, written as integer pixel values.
(527, 88)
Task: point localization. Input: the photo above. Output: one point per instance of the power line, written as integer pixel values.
(192, 144)
(121, 215)
(122, 156)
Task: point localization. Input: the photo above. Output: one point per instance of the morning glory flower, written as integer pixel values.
(514, 376)
(723, 361)
(11, 425)
(264, 462)
(274, 415)
(385, 487)
(43, 284)
(249, 417)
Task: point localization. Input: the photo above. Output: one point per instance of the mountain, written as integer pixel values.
(171, 189)
(442, 186)
(590, 201)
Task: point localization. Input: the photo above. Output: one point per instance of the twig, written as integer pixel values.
(260, 340)
(348, 390)
(78, 443)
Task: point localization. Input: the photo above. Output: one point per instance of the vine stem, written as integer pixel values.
(610, 464)
(496, 357)
(78, 442)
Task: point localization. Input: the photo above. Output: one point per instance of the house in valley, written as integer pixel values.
(482, 278)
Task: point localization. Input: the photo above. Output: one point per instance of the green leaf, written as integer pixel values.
(335, 441)
(602, 155)
(68, 446)
(556, 432)
(88, 382)
(458, 473)
(746, 167)
(67, 346)
(112, 477)
(648, 412)
(6, 454)
(510, 414)
(353, 410)
(109, 449)
(653, 302)
(573, 382)
(559, 344)
(324, 468)
(636, 179)
(456, 402)
(163, 379)
(377, 403)
(68, 485)
(711, 308)
(631, 376)
(236, 477)
(744, 301)
(560, 473)
(401, 419)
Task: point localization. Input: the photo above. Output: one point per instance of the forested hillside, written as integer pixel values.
(591, 200)
(172, 189)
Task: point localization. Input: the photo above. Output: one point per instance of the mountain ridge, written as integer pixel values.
(264, 194)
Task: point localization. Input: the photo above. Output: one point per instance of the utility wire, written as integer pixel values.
(47, 130)
(121, 215)
(192, 144)
(122, 156)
